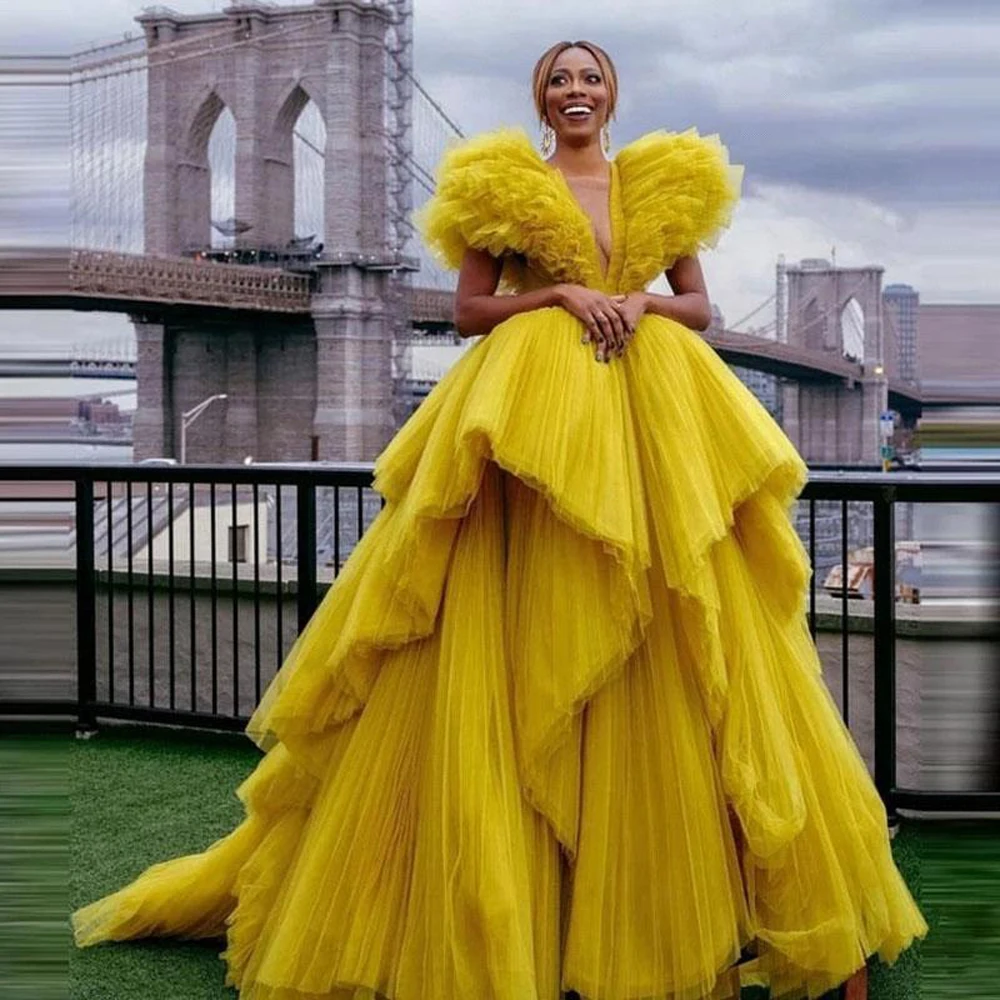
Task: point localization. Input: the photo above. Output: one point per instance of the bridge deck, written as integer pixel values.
(88, 279)
(61, 278)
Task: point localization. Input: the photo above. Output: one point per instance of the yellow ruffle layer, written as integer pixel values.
(495, 193)
(559, 723)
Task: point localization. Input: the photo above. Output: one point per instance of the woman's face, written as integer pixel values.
(576, 97)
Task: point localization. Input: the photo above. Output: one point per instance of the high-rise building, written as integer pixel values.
(764, 386)
(902, 305)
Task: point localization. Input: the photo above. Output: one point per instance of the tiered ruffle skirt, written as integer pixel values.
(558, 724)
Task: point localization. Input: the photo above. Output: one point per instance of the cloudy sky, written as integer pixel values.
(871, 126)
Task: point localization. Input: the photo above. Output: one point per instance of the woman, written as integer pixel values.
(559, 725)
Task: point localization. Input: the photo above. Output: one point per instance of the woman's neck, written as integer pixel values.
(580, 161)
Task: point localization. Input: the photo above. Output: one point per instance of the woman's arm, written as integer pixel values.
(689, 304)
(478, 309)
(477, 306)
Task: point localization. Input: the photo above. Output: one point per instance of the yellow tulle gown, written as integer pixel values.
(558, 725)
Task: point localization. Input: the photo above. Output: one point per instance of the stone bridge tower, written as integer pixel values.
(837, 310)
(318, 386)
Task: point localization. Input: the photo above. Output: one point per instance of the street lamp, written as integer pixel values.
(190, 416)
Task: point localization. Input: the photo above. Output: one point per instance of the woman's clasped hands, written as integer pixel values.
(610, 320)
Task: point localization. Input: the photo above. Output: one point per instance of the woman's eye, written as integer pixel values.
(558, 81)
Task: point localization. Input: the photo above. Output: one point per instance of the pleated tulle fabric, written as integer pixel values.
(558, 724)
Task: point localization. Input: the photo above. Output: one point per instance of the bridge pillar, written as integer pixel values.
(286, 390)
(318, 387)
(267, 369)
(152, 426)
(241, 393)
(353, 420)
(838, 311)
(333, 53)
(199, 368)
(835, 424)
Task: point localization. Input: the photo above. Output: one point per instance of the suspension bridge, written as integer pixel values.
(242, 187)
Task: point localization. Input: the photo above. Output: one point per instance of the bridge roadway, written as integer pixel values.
(88, 280)
(64, 437)
(58, 367)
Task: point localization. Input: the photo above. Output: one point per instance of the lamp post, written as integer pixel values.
(190, 416)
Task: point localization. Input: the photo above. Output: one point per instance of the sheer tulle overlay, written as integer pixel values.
(559, 723)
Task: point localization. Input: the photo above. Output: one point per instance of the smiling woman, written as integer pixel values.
(576, 83)
(559, 727)
(578, 88)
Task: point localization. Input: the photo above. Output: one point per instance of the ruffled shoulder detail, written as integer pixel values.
(678, 193)
(496, 193)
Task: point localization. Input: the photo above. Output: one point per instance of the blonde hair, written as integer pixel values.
(543, 71)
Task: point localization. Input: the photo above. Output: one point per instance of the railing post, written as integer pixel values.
(86, 603)
(305, 500)
(885, 648)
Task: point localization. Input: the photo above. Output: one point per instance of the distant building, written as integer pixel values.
(38, 411)
(766, 387)
(902, 304)
(235, 530)
(101, 411)
(952, 352)
(44, 413)
(959, 350)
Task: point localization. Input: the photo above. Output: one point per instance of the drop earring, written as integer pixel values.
(548, 139)
(606, 138)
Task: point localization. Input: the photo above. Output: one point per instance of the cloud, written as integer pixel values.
(825, 94)
(43, 25)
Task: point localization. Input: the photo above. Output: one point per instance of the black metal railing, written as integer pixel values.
(884, 493)
(191, 583)
(170, 636)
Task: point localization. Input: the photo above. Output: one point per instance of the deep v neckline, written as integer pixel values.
(608, 275)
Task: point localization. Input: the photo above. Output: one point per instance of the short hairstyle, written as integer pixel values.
(543, 70)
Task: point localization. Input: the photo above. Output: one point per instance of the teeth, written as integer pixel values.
(577, 109)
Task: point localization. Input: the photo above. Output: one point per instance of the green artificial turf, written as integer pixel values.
(140, 796)
(34, 867)
(136, 800)
(961, 899)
